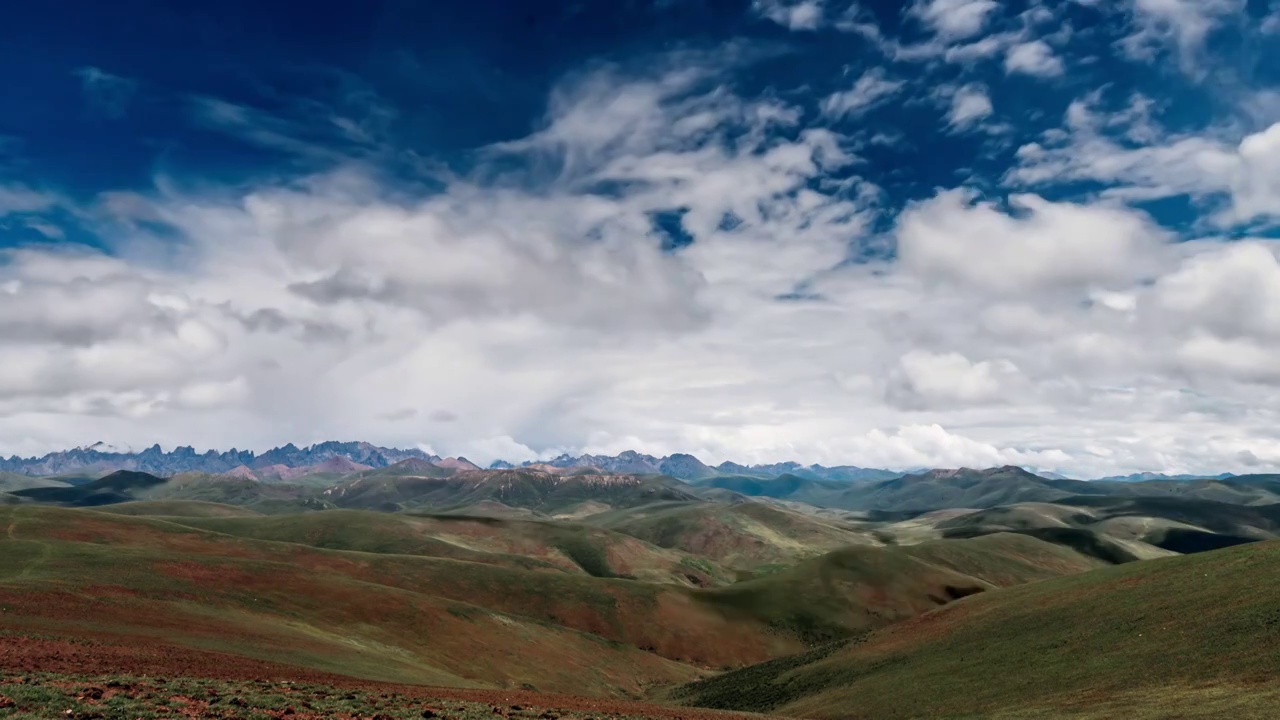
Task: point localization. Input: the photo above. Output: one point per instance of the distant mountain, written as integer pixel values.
(960, 488)
(847, 473)
(992, 487)
(100, 458)
(1149, 476)
(690, 469)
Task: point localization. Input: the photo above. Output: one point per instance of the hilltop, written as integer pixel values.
(747, 536)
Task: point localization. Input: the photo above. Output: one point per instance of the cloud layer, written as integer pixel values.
(671, 261)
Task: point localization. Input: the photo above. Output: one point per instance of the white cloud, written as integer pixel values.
(870, 89)
(16, 198)
(1033, 58)
(1127, 151)
(1183, 25)
(1046, 244)
(954, 19)
(528, 308)
(970, 104)
(1232, 292)
(791, 14)
(925, 379)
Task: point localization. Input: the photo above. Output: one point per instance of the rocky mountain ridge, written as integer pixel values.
(153, 460)
(290, 461)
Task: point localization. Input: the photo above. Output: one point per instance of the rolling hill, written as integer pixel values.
(1188, 637)
(747, 536)
(782, 487)
(991, 487)
(120, 580)
(860, 588)
(530, 489)
(1115, 528)
(531, 545)
(119, 486)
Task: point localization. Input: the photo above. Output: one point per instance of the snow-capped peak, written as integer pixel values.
(104, 447)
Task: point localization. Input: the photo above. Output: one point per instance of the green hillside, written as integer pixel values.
(120, 581)
(747, 536)
(530, 489)
(511, 543)
(178, 509)
(10, 482)
(1185, 637)
(261, 497)
(861, 588)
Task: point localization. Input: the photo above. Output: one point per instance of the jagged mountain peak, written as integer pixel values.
(101, 457)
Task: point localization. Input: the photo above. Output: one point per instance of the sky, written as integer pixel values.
(933, 233)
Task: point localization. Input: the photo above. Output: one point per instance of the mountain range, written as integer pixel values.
(100, 458)
(289, 462)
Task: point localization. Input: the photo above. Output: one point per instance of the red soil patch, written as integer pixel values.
(30, 655)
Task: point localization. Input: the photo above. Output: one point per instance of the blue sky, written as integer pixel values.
(940, 233)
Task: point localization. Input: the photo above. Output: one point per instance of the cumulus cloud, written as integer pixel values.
(1034, 57)
(1232, 292)
(924, 379)
(954, 19)
(955, 237)
(970, 105)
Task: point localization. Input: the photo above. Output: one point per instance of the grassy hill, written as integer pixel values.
(126, 581)
(10, 482)
(1188, 637)
(261, 497)
(860, 588)
(747, 536)
(1119, 527)
(531, 489)
(512, 543)
(992, 487)
(118, 580)
(179, 509)
(119, 486)
(783, 487)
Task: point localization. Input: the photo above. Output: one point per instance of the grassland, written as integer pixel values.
(743, 536)
(74, 573)
(857, 589)
(512, 543)
(1196, 636)
(179, 509)
(277, 590)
